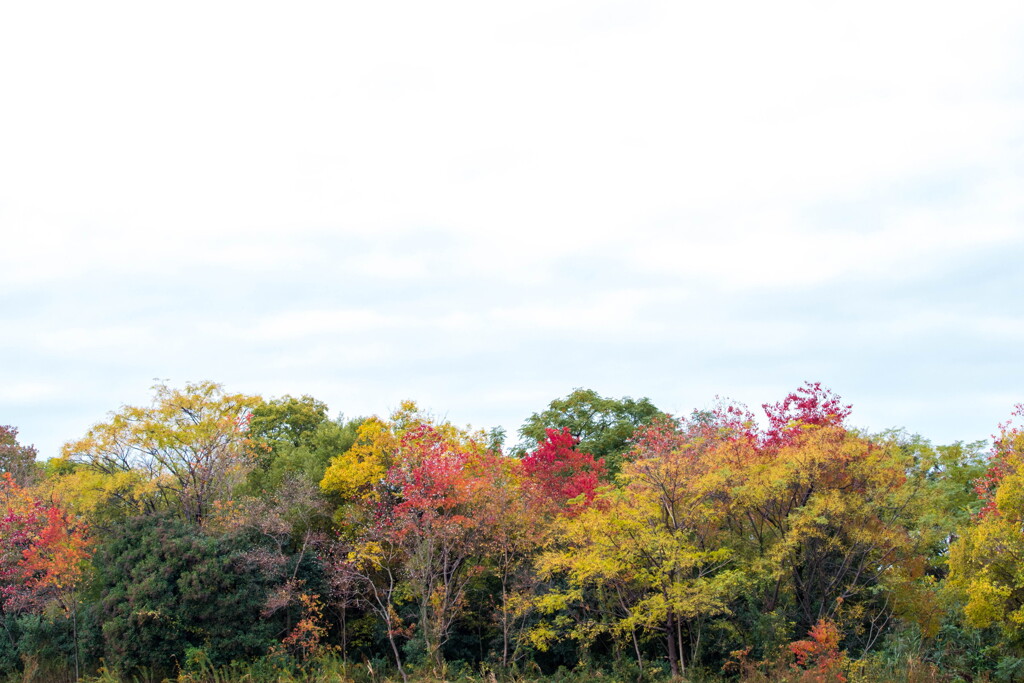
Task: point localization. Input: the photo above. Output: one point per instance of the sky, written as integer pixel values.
(482, 206)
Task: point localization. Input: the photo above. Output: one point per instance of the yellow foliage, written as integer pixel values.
(355, 472)
(191, 444)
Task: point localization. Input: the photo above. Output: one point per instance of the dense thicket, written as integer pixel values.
(212, 530)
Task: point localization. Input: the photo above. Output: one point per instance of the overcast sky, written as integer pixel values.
(483, 205)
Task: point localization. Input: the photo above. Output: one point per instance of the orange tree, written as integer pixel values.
(43, 549)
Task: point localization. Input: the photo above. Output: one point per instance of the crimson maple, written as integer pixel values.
(558, 473)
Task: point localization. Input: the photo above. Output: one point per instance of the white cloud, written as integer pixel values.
(244, 191)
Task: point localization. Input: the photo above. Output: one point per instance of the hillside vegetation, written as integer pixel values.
(212, 536)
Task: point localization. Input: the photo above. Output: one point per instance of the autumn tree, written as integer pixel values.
(515, 532)
(822, 515)
(42, 551)
(557, 473)
(356, 473)
(653, 549)
(369, 573)
(190, 444)
(438, 486)
(985, 561)
(409, 489)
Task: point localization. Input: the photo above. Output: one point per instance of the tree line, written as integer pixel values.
(211, 531)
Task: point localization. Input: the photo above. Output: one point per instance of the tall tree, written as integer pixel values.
(293, 437)
(192, 444)
(985, 562)
(440, 487)
(821, 514)
(652, 551)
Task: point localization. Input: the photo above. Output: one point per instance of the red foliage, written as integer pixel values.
(41, 549)
(1009, 441)
(430, 476)
(809, 405)
(559, 473)
(821, 653)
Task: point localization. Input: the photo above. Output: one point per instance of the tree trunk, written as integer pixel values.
(670, 635)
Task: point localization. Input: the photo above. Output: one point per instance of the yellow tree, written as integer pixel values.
(190, 444)
(651, 550)
(822, 517)
(986, 560)
(357, 472)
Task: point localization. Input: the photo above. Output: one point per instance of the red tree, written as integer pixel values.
(558, 473)
(42, 549)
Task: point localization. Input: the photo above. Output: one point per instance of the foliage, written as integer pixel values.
(602, 426)
(190, 444)
(42, 550)
(557, 473)
(287, 420)
(985, 562)
(214, 536)
(357, 472)
(293, 438)
(820, 652)
(164, 588)
(649, 548)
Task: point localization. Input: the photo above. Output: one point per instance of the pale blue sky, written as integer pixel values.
(482, 206)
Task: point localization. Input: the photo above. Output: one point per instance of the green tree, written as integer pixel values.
(287, 420)
(294, 438)
(164, 587)
(603, 426)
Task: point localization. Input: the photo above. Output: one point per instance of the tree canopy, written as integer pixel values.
(220, 535)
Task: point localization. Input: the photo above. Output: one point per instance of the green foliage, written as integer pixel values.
(164, 588)
(287, 420)
(294, 438)
(603, 426)
(308, 460)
